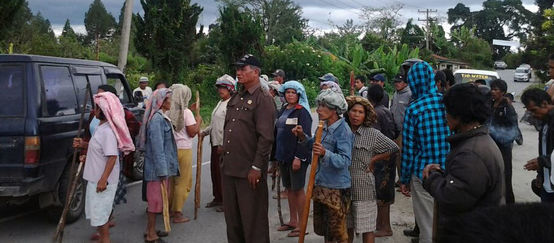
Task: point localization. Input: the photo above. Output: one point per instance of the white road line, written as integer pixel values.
(134, 183)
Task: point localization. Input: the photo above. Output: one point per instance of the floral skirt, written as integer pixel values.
(331, 207)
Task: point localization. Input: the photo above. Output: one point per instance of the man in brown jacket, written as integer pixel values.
(247, 142)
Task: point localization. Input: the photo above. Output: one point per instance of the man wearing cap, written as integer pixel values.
(400, 101)
(380, 80)
(247, 141)
(279, 76)
(143, 88)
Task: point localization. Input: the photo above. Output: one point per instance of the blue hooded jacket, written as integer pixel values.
(424, 130)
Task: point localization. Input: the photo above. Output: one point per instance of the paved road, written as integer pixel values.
(210, 226)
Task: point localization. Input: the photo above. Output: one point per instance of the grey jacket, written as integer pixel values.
(400, 102)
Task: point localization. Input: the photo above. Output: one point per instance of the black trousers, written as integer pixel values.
(506, 151)
(246, 212)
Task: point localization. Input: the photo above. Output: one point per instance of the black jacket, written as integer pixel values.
(474, 176)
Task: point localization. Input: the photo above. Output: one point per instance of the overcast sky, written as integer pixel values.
(320, 13)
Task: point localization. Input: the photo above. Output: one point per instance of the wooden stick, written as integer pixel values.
(313, 170)
(165, 209)
(279, 196)
(198, 161)
(352, 82)
(435, 221)
(73, 179)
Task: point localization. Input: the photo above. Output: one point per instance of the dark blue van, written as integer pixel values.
(41, 99)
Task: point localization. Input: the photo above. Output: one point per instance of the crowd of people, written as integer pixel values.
(449, 145)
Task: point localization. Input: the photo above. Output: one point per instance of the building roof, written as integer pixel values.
(442, 59)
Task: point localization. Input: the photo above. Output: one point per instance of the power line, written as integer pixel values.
(427, 20)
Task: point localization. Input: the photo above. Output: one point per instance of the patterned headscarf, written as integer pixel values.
(179, 103)
(153, 105)
(113, 111)
(333, 100)
(370, 115)
(299, 88)
(331, 85)
(226, 81)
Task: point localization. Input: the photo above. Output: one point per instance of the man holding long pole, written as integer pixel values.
(247, 141)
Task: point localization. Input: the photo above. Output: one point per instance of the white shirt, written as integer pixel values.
(146, 92)
(218, 121)
(102, 144)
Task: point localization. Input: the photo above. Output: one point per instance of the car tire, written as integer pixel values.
(77, 206)
(138, 165)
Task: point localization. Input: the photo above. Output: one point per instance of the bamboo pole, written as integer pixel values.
(165, 209)
(313, 170)
(279, 212)
(74, 177)
(198, 161)
(352, 80)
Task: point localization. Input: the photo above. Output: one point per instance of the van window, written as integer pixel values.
(11, 90)
(471, 77)
(81, 85)
(59, 91)
(117, 83)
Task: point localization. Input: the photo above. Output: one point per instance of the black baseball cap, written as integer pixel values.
(248, 59)
(399, 78)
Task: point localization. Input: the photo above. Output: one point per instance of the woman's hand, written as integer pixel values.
(430, 167)
(299, 132)
(532, 164)
(296, 164)
(371, 167)
(79, 143)
(319, 149)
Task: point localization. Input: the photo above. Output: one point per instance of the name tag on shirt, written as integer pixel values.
(291, 121)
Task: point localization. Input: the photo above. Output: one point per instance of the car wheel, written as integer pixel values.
(77, 205)
(138, 165)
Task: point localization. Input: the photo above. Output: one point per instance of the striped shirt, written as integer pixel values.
(367, 143)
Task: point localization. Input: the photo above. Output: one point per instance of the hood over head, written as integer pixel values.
(421, 80)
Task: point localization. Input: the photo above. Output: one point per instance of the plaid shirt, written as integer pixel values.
(424, 129)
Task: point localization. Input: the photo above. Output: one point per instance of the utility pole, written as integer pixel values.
(125, 32)
(427, 21)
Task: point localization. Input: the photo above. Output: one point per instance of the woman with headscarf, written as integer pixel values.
(101, 165)
(331, 193)
(225, 86)
(370, 147)
(160, 157)
(186, 127)
(293, 159)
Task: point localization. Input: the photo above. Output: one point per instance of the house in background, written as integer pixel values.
(447, 63)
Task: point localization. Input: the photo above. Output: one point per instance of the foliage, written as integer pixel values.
(98, 22)
(9, 9)
(412, 35)
(471, 49)
(513, 60)
(166, 34)
(384, 21)
(240, 32)
(390, 60)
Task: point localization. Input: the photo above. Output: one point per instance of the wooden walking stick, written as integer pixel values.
(313, 170)
(198, 161)
(352, 82)
(279, 196)
(165, 206)
(74, 177)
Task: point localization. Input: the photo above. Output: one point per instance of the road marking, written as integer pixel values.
(134, 183)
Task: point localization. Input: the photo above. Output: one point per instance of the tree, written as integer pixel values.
(412, 35)
(240, 32)
(9, 10)
(166, 35)
(282, 21)
(383, 21)
(99, 23)
(472, 49)
(68, 31)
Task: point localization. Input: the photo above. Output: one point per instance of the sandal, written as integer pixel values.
(295, 233)
(213, 204)
(96, 236)
(159, 240)
(219, 210)
(159, 233)
(286, 227)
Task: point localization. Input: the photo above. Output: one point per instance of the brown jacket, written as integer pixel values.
(248, 132)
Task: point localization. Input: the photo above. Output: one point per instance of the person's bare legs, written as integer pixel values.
(350, 235)
(368, 237)
(383, 220)
(104, 231)
(291, 196)
(151, 227)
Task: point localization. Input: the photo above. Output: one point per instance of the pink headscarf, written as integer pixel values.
(113, 111)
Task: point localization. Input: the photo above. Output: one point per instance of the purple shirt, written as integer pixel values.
(102, 144)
